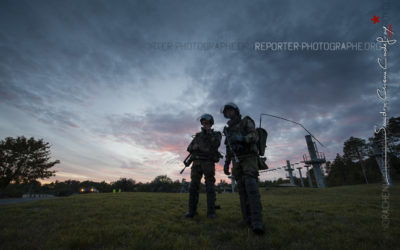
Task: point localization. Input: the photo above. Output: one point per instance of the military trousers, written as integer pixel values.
(246, 174)
(200, 168)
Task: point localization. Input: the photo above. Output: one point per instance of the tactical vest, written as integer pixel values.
(244, 148)
(256, 148)
(208, 146)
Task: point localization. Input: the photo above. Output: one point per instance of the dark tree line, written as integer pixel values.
(358, 165)
(273, 183)
(161, 183)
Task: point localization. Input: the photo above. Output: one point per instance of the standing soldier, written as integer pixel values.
(204, 150)
(241, 149)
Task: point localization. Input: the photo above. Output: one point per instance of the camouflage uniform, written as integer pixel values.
(247, 152)
(204, 157)
(246, 170)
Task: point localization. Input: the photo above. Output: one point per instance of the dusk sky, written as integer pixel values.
(116, 87)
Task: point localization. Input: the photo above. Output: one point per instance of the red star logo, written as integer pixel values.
(375, 19)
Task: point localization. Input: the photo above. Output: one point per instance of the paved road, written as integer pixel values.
(20, 200)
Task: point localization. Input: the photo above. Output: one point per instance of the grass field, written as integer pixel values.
(334, 218)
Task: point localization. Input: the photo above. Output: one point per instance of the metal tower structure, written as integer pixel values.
(290, 170)
(309, 176)
(301, 177)
(221, 186)
(183, 189)
(233, 182)
(316, 160)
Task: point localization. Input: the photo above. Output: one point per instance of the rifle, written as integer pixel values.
(229, 145)
(188, 160)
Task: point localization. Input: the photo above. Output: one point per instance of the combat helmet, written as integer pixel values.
(230, 105)
(208, 118)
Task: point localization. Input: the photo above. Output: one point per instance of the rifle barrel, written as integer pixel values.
(230, 146)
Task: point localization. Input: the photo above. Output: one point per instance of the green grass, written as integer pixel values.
(334, 218)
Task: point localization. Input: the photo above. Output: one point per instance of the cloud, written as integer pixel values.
(163, 132)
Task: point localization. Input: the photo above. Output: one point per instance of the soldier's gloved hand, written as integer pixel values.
(237, 138)
(226, 168)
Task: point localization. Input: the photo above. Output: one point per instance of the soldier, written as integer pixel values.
(204, 149)
(241, 148)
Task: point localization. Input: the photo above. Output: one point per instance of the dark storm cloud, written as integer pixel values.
(301, 85)
(33, 104)
(55, 51)
(292, 76)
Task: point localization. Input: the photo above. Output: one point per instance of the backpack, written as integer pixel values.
(262, 140)
(261, 143)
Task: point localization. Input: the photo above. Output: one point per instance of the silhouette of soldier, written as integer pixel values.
(204, 150)
(241, 139)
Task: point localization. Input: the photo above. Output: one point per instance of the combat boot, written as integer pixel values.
(190, 215)
(253, 196)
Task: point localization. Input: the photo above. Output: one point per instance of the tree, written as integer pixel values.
(162, 183)
(356, 149)
(104, 187)
(392, 136)
(328, 167)
(126, 185)
(377, 146)
(339, 173)
(24, 160)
